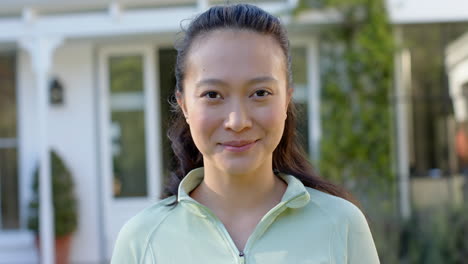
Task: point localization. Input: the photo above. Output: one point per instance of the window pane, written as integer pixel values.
(7, 96)
(9, 213)
(126, 73)
(167, 58)
(299, 65)
(128, 126)
(9, 189)
(299, 70)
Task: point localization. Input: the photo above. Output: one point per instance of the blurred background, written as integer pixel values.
(381, 87)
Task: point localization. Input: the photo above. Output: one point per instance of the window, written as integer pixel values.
(301, 97)
(167, 82)
(431, 114)
(127, 103)
(9, 213)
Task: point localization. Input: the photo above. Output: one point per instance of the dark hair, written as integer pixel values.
(289, 156)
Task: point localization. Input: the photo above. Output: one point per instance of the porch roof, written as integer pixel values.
(15, 8)
(103, 18)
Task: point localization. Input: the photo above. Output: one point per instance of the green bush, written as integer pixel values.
(357, 146)
(432, 237)
(63, 196)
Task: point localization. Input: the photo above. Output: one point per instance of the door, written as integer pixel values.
(130, 162)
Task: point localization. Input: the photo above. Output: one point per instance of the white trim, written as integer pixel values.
(153, 121)
(311, 45)
(115, 11)
(8, 142)
(319, 17)
(104, 146)
(128, 101)
(292, 3)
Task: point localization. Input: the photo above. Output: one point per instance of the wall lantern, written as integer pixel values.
(56, 93)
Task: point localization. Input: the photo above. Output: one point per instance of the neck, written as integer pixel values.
(237, 194)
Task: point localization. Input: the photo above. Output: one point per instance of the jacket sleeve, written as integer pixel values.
(361, 247)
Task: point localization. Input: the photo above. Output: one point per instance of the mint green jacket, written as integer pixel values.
(306, 227)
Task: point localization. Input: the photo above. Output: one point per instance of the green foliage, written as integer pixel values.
(436, 237)
(356, 109)
(356, 146)
(63, 196)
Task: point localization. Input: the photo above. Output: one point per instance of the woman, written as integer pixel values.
(244, 191)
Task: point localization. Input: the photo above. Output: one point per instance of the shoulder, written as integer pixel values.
(338, 210)
(148, 219)
(133, 239)
(351, 233)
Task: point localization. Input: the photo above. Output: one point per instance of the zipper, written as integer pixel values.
(266, 221)
(259, 229)
(241, 257)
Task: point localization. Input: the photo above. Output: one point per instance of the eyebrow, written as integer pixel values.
(214, 81)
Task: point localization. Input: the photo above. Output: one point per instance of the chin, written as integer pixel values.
(237, 167)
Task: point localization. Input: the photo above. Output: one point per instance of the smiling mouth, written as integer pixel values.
(239, 146)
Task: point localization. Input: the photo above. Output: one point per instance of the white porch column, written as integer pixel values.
(313, 79)
(402, 86)
(41, 49)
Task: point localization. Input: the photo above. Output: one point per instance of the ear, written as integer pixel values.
(181, 102)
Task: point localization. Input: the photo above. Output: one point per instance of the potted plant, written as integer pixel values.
(64, 206)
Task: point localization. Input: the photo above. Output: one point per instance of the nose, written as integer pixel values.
(238, 118)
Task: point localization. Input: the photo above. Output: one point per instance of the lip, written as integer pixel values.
(239, 145)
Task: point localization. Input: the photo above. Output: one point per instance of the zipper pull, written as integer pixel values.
(242, 257)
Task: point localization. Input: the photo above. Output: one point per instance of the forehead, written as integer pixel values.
(235, 55)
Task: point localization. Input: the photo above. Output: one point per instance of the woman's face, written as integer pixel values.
(235, 99)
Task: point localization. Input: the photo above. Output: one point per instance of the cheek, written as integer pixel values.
(272, 119)
(202, 123)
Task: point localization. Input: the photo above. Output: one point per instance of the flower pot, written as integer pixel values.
(62, 248)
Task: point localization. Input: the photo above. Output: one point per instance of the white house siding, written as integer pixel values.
(427, 11)
(458, 76)
(72, 134)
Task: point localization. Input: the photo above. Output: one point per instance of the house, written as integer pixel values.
(429, 102)
(89, 51)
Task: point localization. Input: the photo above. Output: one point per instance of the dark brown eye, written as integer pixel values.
(262, 93)
(211, 95)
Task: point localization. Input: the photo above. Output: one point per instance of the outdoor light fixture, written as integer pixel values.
(56, 96)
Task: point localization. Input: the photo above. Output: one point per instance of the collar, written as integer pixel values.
(295, 196)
